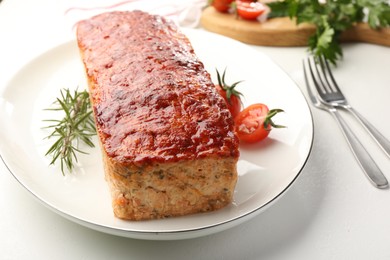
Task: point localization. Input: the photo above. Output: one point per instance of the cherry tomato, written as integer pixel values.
(254, 123)
(221, 5)
(230, 94)
(250, 10)
(234, 105)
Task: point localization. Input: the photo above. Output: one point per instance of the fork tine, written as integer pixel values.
(329, 72)
(325, 72)
(317, 83)
(312, 96)
(322, 75)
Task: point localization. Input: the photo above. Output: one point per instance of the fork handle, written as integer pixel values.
(375, 134)
(365, 161)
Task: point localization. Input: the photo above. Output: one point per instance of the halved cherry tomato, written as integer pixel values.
(249, 10)
(254, 123)
(231, 96)
(221, 5)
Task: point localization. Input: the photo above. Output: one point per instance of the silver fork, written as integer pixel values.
(365, 161)
(331, 94)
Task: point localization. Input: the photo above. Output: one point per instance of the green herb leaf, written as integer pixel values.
(77, 126)
(331, 19)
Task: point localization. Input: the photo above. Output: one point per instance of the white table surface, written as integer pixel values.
(331, 212)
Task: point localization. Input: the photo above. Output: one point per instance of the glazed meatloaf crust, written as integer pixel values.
(166, 136)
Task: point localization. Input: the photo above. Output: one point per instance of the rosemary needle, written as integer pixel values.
(77, 126)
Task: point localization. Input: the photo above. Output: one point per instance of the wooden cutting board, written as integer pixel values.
(282, 31)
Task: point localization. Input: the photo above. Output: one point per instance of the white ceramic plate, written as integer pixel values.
(265, 170)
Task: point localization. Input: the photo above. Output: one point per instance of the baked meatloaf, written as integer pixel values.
(166, 136)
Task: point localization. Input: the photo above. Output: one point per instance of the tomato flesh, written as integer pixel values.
(250, 11)
(250, 123)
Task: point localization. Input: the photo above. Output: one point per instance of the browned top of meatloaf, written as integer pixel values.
(152, 98)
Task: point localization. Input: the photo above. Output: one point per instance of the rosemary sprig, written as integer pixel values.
(76, 126)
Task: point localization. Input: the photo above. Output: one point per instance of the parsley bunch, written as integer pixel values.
(331, 19)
